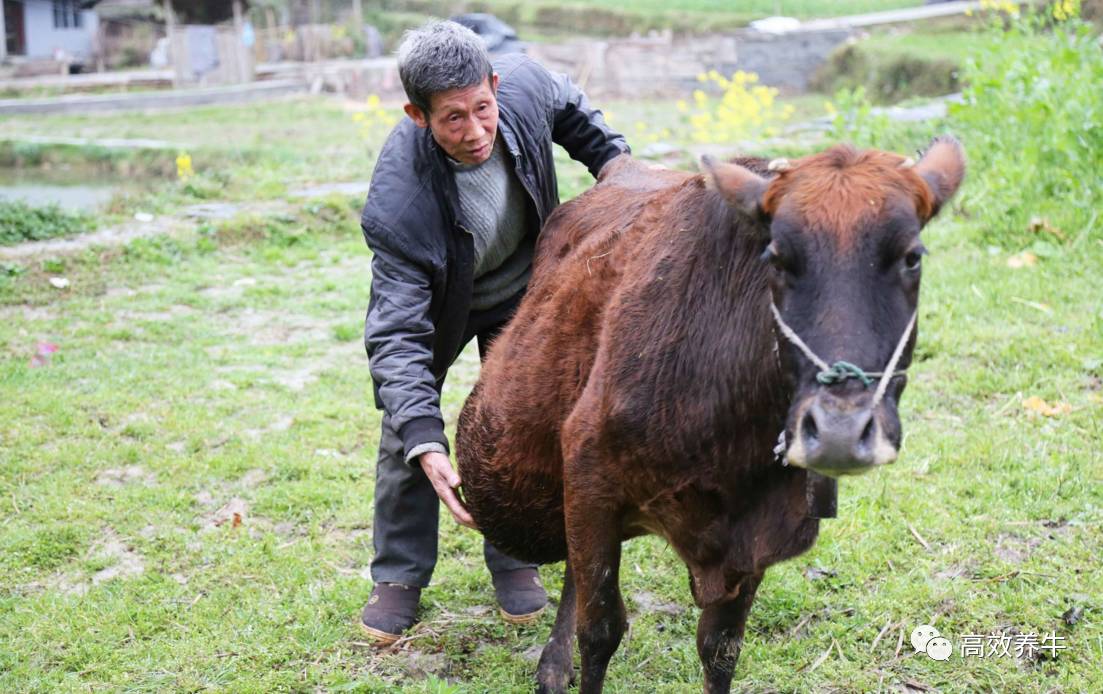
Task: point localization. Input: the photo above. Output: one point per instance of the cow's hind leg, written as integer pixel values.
(720, 635)
(556, 669)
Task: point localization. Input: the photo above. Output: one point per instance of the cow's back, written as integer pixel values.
(507, 440)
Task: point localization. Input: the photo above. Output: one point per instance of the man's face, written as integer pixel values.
(463, 121)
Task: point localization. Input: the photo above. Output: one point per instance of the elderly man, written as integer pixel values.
(457, 199)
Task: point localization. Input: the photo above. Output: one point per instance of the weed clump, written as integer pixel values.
(21, 222)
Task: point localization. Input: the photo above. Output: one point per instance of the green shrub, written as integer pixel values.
(1032, 124)
(853, 120)
(889, 79)
(1031, 121)
(21, 222)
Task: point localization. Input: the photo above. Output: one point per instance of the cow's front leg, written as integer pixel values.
(556, 669)
(594, 554)
(720, 635)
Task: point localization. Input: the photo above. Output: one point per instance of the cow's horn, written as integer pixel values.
(779, 165)
(907, 163)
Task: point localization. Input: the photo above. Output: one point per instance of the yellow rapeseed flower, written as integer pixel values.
(1066, 9)
(184, 169)
(1006, 6)
(742, 110)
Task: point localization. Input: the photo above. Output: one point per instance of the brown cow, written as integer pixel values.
(675, 324)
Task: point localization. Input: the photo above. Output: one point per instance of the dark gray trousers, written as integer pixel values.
(407, 509)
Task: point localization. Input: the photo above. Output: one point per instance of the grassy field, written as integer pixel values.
(187, 445)
(223, 372)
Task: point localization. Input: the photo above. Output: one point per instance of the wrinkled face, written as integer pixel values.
(845, 260)
(464, 121)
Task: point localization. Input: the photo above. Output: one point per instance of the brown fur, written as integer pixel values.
(837, 191)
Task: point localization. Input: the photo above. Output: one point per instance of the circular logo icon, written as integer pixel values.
(921, 635)
(939, 648)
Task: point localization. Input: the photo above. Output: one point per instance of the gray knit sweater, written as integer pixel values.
(494, 205)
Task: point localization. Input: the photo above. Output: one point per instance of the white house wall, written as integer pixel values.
(43, 39)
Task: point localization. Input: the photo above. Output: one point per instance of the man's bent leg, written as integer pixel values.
(407, 510)
(521, 596)
(498, 562)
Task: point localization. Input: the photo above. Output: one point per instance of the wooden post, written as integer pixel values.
(315, 20)
(170, 32)
(272, 32)
(240, 58)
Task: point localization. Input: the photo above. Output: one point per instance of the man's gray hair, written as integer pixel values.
(441, 56)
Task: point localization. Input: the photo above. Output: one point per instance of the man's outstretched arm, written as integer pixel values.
(398, 334)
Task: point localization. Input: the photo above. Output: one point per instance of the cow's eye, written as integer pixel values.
(913, 258)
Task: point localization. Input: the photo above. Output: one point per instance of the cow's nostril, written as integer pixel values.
(808, 428)
(866, 439)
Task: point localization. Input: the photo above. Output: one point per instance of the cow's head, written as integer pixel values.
(845, 254)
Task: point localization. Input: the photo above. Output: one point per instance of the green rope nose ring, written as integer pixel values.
(841, 371)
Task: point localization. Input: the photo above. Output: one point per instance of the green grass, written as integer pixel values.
(928, 45)
(228, 368)
(259, 151)
(221, 369)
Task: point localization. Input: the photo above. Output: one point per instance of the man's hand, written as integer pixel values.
(438, 468)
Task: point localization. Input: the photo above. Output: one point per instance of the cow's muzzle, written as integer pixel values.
(837, 436)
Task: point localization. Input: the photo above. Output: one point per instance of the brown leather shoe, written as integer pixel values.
(391, 610)
(521, 596)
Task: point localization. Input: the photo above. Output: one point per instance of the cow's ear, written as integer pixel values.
(942, 168)
(741, 187)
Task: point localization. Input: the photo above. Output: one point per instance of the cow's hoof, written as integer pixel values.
(553, 685)
(554, 680)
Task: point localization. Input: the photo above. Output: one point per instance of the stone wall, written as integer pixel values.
(663, 65)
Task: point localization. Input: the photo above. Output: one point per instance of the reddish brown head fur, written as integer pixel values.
(839, 190)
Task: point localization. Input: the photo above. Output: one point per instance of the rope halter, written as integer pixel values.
(841, 371)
